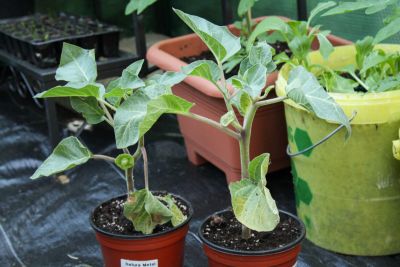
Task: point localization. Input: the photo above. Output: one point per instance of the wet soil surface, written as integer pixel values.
(109, 217)
(44, 223)
(225, 230)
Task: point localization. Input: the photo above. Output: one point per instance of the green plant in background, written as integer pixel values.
(123, 105)
(375, 69)
(252, 202)
(138, 6)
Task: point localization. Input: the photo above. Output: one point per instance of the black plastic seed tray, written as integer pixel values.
(38, 38)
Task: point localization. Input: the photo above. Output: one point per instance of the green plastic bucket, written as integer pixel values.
(348, 191)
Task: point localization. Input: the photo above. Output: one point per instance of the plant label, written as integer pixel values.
(148, 263)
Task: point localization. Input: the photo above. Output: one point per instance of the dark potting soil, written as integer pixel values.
(110, 218)
(225, 230)
(207, 55)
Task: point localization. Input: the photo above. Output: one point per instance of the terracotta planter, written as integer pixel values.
(285, 256)
(204, 143)
(164, 249)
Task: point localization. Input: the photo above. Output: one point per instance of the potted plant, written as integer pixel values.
(254, 232)
(337, 197)
(142, 227)
(203, 143)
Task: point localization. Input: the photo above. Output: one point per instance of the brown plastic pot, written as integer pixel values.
(285, 256)
(164, 249)
(204, 143)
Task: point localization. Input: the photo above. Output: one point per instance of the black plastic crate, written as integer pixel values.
(38, 38)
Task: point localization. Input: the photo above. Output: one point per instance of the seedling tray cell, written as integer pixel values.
(38, 38)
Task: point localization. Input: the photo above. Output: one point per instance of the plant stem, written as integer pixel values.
(108, 115)
(244, 145)
(270, 101)
(129, 182)
(248, 21)
(223, 91)
(359, 80)
(213, 124)
(246, 232)
(108, 105)
(103, 157)
(145, 167)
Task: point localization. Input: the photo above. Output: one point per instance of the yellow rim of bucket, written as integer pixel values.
(371, 107)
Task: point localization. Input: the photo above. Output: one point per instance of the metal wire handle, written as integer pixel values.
(290, 154)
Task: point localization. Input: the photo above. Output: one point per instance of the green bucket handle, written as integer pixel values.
(290, 154)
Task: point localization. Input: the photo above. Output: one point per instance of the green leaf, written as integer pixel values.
(387, 84)
(304, 89)
(177, 215)
(261, 53)
(67, 154)
(242, 101)
(232, 62)
(334, 82)
(88, 90)
(227, 118)
(363, 48)
(145, 211)
(325, 47)
(346, 7)
(301, 46)
(139, 112)
(130, 76)
(253, 205)
(319, 8)
(221, 42)
(206, 69)
(268, 24)
(254, 80)
(77, 65)
(387, 31)
(373, 60)
(244, 6)
(168, 78)
(124, 161)
(89, 108)
(138, 5)
(258, 168)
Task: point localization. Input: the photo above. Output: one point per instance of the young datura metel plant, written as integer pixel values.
(122, 105)
(132, 106)
(245, 92)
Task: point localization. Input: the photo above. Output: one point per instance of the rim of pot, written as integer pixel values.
(142, 236)
(258, 252)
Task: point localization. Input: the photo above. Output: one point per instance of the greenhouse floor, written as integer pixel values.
(45, 222)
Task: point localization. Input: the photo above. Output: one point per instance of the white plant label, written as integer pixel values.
(129, 263)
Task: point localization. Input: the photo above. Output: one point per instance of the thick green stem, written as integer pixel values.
(244, 144)
(145, 168)
(130, 179)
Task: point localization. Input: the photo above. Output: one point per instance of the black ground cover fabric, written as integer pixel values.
(45, 223)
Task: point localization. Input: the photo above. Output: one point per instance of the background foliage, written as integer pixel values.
(352, 26)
